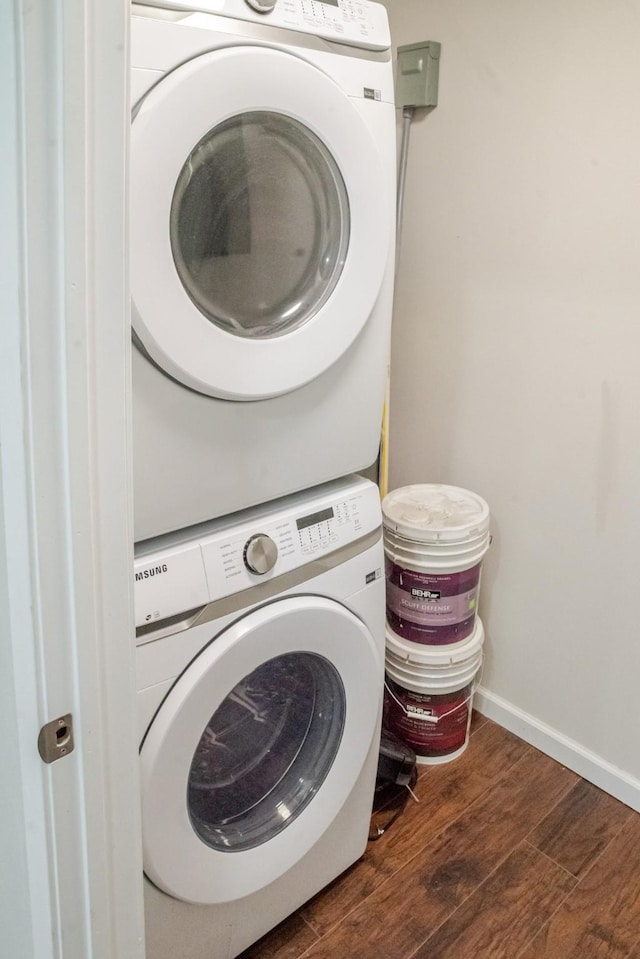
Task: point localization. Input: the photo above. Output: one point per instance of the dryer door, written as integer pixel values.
(256, 747)
(260, 221)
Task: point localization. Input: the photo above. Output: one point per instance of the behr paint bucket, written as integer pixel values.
(435, 538)
(429, 694)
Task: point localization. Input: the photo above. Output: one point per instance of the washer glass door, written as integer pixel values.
(256, 748)
(266, 751)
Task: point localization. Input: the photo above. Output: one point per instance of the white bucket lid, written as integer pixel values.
(435, 513)
(424, 655)
(431, 680)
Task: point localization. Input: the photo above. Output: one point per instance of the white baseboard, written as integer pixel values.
(590, 766)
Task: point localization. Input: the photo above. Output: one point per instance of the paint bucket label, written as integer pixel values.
(432, 608)
(432, 724)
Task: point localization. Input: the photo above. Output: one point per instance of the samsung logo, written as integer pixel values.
(152, 571)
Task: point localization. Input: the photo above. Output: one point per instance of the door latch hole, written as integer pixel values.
(63, 735)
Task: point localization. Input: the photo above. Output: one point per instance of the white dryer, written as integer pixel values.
(262, 222)
(260, 665)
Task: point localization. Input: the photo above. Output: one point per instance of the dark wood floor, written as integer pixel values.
(508, 856)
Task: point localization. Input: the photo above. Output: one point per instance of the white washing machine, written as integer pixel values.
(262, 222)
(260, 664)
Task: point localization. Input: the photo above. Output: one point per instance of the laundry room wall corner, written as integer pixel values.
(515, 345)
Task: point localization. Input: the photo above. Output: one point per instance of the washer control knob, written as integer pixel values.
(260, 554)
(262, 6)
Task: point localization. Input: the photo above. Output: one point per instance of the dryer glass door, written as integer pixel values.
(266, 751)
(259, 224)
(257, 747)
(261, 221)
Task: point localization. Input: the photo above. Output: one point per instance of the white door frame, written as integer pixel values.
(71, 878)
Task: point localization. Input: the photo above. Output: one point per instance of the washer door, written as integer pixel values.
(259, 223)
(256, 748)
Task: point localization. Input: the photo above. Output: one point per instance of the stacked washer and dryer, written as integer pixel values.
(262, 226)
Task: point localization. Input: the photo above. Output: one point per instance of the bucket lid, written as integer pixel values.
(433, 512)
(425, 655)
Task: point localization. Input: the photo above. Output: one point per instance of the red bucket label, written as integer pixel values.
(433, 725)
(432, 608)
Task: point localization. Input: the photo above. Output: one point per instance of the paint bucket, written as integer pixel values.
(435, 538)
(429, 694)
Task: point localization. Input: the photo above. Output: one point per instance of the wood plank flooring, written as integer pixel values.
(508, 855)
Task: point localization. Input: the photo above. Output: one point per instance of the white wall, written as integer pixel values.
(516, 349)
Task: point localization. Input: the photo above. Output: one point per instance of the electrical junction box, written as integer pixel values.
(417, 79)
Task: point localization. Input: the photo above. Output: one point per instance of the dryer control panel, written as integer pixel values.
(360, 23)
(183, 571)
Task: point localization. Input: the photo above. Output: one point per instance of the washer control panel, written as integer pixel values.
(360, 23)
(177, 573)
